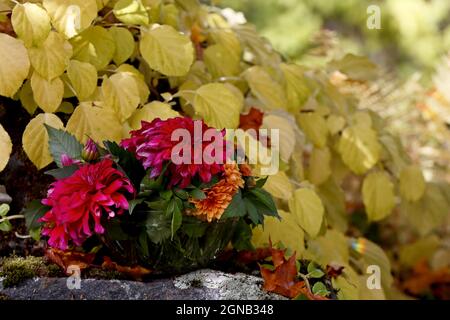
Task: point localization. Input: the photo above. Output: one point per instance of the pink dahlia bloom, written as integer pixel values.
(153, 145)
(81, 200)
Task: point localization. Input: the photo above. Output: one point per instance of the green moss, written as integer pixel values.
(15, 269)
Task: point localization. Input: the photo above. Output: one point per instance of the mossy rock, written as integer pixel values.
(15, 269)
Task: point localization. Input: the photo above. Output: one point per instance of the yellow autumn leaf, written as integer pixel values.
(297, 91)
(265, 89)
(166, 50)
(95, 122)
(287, 134)
(219, 105)
(287, 231)
(319, 166)
(14, 65)
(151, 111)
(94, 45)
(359, 148)
(5, 148)
(378, 195)
(48, 94)
(31, 23)
(220, 62)
(27, 99)
(35, 139)
(315, 128)
(412, 183)
(308, 209)
(70, 17)
(131, 12)
(124, 44)
(331, 248)
(51, 58)
(121, 94)
(144, 91)
(83, 78)
(279, 186)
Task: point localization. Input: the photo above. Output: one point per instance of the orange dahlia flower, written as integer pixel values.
(219, 196)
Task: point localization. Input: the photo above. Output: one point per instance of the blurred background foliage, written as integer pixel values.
(414, 34)
(412, 50)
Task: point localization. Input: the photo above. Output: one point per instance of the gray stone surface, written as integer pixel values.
(199, 285)
(4, 197)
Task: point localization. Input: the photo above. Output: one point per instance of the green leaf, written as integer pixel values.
(219, 105)
(314, 271)
(252, 212)
(308, 210)
(177, 219)
(265, 198)
(320, 289)
(158, 227)
(197, 194)
(127, 162)
(236, 208)
(193, 227)
(359, 148)
(31, 23)
(95, 45)
(4, 209)
(33, 212)
(6, 226)
(131, 12)
(14, 65)
(242, 237)
(166, 50)
(132, 204)
(378, 195)
(63, 172)
(61, 142)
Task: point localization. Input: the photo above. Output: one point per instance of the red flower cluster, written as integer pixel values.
(77, 201)
(153, 146)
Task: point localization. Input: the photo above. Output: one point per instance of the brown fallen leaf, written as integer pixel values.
(334, 271)
(252, 120)
(68, 258)
(136, 273)
(424, 279)
(249, 256)
(284, 280)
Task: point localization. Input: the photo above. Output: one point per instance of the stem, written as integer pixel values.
(17, 216)
(5, 11)
(21, 236)
(121, 25)
(305, 278)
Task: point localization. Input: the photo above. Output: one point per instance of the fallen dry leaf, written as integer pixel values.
(423, 280)
(66, 259)
(136, 273)
(283, 280)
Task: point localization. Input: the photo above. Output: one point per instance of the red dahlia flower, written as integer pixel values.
(77, 201)
(155, 142)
